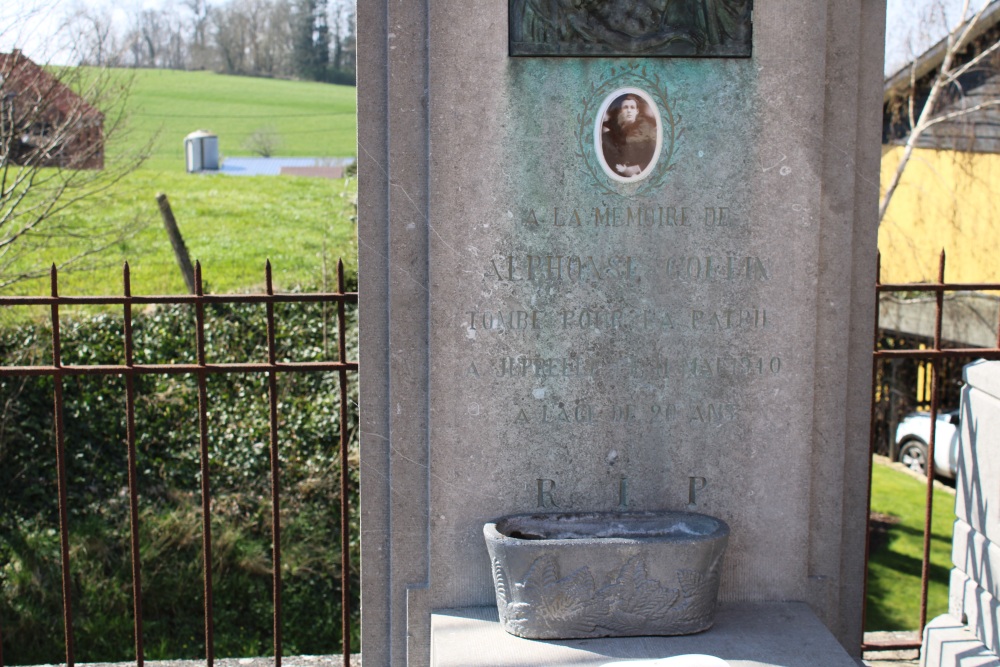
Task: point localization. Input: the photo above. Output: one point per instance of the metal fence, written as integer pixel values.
(936, 356)
(201, 369)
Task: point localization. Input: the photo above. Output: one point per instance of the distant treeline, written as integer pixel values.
(306, 39)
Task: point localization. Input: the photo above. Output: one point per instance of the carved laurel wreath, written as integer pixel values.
(636, 75)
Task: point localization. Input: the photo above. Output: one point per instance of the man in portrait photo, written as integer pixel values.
(628, 136)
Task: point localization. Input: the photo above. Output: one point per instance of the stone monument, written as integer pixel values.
(969, 634)
(616, 256)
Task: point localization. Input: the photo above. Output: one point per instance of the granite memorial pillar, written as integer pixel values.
(615, 255)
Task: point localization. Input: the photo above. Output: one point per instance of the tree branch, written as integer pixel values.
(47, 133)
(958, 113)
(957, 39)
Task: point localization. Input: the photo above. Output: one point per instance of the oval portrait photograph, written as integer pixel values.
(628, 134)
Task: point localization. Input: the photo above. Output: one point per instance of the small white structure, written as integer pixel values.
(201, 151)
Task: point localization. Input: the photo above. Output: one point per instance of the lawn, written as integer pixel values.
(232, 224)
(895, 564)
(311, 119)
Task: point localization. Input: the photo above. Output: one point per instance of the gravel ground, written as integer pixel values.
(904, 658)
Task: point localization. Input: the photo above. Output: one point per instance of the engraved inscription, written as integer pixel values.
(729, 319)
(713, 413)
(542, 367)
(707, 367)
(665, 412)
(546, 487)
(580, 414)
(585, 268)
(624, 413)
(601, 319)
(571, 268)
(638, 217)
(708, 268)
(656, 366)
(714, 28)
(545, 492)
(718, 216)
(695, 484)
(628, 414)
(512, 320)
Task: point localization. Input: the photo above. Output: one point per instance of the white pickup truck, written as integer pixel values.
(913, 434)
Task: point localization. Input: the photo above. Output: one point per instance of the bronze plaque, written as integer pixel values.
(706, 28)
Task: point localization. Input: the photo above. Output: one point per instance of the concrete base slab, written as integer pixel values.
(950, 643)
(785, 634)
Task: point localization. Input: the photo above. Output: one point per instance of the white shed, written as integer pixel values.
(201, 151)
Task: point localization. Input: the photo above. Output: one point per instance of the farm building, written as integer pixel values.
(43, 122)
(947, 199)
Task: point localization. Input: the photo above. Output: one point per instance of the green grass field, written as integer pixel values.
(232, 224)
(895, 564)
(311, 119)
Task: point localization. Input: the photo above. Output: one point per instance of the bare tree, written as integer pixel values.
(174, 44)
(943, 86)
(272, 45)
(253, 37)
(343, 40)
(313, 39)
(278, 41)
(267, 36)
(198, 24)
(155, 38)
(92, 34)
(230, 35)
(264, 141)
(54, 126)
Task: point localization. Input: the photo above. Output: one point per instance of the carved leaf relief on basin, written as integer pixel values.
(562, 576)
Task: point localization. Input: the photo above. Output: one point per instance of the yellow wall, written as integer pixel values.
(947, 200)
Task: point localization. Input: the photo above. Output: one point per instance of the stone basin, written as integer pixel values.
(606, 574)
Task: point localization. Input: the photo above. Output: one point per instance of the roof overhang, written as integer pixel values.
(898, 84)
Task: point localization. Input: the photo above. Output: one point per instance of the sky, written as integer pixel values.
(911, 25)
(33, 25)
